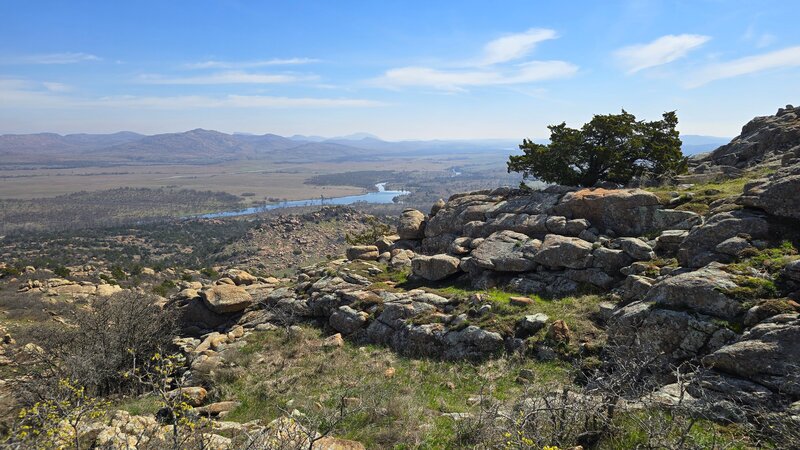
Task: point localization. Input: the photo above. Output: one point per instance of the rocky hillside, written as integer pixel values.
(766, 141)
(585, 318)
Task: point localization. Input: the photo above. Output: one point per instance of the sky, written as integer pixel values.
(397, 69)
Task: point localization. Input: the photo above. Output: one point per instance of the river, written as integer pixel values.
(382, 196)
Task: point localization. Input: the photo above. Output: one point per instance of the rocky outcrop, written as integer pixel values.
(667, 335)
(363, 252)
(700, 246)
(624, 212)
(764, 141)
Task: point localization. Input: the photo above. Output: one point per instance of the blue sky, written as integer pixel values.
(398, 69)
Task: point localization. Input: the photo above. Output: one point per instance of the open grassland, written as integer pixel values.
(260, 180)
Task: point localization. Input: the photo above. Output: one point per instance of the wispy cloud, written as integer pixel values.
(457, 80)
(779, 59)
(17, 94)
(760, 40)
(492, 68)
(50, 58)
(231, 77)
(658, 52)
(214, 64)
(514, 46)
(234, 101)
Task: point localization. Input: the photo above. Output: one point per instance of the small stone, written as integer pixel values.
(520, 301)
(527, 374)
(531, 324)
(559, 332)
(389, 372)
(335, 340)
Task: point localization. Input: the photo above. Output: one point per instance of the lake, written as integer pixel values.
(382, 196)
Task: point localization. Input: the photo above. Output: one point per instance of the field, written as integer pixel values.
(262, 179)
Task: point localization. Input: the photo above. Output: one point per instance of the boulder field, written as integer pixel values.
(682, 288)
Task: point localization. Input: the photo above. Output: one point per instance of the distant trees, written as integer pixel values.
(611, 147)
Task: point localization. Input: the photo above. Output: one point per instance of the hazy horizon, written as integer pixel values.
(411, 71)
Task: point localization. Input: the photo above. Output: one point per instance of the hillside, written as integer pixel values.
(578, 318)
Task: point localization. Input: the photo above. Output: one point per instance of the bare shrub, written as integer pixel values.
(113, 336)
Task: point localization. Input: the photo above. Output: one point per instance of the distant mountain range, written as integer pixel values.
(208, 147)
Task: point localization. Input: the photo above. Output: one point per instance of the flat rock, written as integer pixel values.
(226, 298)
(506, 251)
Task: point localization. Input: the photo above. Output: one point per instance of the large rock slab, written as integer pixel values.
(562, 251)
(506, 251)
(670, 336)
(531, 225)
(226, 298)
(701, 290)
(767, 354)
(435, 267)
(534, 203)
(624, 211)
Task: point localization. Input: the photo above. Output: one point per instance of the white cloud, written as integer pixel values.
(232, 77)
(233, 101)
(785, 58)
(212, 64)
(51, 58)
(514, 46)
(491, 69)
(661, 51)
(457, 80)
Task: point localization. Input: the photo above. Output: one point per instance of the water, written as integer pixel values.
(382, 196)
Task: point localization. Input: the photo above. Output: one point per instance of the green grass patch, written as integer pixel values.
(699, 196)
(284, 372)
(144, 405)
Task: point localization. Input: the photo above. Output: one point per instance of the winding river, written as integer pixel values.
(382, 196)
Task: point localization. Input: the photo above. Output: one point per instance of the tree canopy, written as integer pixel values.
(611, 147)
